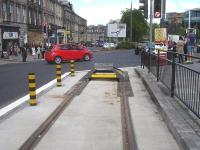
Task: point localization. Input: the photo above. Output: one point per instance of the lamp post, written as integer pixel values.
(131, 24)
(150, 33)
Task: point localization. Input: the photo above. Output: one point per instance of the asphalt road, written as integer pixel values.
(14, 77)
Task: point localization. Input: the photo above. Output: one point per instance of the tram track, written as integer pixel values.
(124, 91)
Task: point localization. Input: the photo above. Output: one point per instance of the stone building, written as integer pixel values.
(13, 23)
(95, 33)
(36, 22)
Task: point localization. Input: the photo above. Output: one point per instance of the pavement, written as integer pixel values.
(18, 59)
(93, 121)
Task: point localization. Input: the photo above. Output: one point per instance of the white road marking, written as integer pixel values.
(18, 102)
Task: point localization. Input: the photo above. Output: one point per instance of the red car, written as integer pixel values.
(66, 52)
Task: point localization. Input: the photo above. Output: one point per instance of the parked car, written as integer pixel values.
(65, 52)
(109, 45)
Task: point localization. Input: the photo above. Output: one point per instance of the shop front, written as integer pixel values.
(10, 40)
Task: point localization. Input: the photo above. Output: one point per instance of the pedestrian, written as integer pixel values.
(180, 49)
(42, 51)
(24, 53)
(38, 52)
(191, 39)
(170, 43)
(33, 51)
(185, 51)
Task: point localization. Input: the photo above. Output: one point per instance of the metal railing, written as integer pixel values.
(182, 79)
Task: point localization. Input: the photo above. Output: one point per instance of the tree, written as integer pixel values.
(198, 34)
(139, 24)
(180, 30)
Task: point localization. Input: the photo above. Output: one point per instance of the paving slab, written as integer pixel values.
(16, 128)
(150, 130)
(92, 121)
(183, 126)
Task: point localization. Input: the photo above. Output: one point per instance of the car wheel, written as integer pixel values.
(58, 60)
(86, 57)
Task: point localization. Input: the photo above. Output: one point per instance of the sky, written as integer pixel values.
(102, 11)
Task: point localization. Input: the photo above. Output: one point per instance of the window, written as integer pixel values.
(44, 3)
(5, 17)
(29, 16)
(35, 18)
(11, 12)
(18, 13)
(23, 14)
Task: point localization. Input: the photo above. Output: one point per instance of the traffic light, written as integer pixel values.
(144, 8)
(157, 8)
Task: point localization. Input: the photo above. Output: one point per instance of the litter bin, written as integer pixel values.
(198, 48)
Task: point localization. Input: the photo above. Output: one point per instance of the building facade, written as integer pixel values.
(95, 33)
(194, 18)
(13, 23)
(36, 22)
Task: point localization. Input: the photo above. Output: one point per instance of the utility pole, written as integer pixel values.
(150, 33)
(131, 25)
(189, 20)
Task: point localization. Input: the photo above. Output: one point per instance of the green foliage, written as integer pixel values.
(180, 30)
(125, 45)
(198, 33)
(139, 24)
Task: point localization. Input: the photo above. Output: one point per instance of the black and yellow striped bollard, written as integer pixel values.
(58, 74)
(72, 68)
(32, 89)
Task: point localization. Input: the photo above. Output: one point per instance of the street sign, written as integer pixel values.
(66, 32)
(116, 30)
(160, 35)
(157, 14)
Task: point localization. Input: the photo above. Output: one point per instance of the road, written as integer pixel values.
(14, 82)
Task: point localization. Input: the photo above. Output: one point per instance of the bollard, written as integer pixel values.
(32, 89)
(72, 68)
(58, 74)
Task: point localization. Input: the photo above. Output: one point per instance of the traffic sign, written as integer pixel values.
(157, 14)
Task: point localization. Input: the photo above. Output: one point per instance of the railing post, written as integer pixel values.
(149, 64)
(158, 65)
(173, 74)
(142, 59)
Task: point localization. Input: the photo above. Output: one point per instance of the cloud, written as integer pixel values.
(180, 6)
(102, 14)
(88, 1)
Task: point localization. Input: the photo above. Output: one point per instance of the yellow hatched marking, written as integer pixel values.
(31, 76)
(31, 85)
(32, 93)
(32, 102)
(58, 77)
(58, 72)
(103, 75)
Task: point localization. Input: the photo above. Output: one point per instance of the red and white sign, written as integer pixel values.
(157, 15)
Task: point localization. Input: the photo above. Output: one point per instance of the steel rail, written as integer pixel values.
(32, 141)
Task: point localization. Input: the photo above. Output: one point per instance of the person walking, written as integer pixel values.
(38, 51)
(33, 51)
(191, 39)
(185, 50)
(24, 53)
(180, 49)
